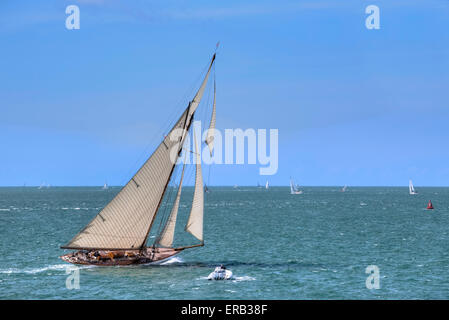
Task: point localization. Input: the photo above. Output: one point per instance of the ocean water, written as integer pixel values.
(279, 246)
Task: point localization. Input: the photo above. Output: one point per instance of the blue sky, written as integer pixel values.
(353, 106)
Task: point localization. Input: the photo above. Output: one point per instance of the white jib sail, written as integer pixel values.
(195, 222)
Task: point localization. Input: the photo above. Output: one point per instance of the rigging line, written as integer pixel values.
(205, 119)
(166, 218)
(186, 126)
(139, 204)
(166, 126)
(169, 200)
(206, 115)
(166, 204)
(185, 97)
(208, 176)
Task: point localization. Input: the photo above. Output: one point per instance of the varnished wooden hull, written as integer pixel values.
(119, 257)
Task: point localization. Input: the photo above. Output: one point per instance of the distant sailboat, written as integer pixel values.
(344, 188)
(294, 188)
(118, 234)
(43, 184)
(206, 189)
(411, 189)
(267, 185)
(105, 186)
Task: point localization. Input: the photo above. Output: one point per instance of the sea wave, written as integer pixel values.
(168, 261)
(172, 260)
(54, 267)
(243, 278)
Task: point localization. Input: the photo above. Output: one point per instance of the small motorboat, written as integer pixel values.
(220, 273)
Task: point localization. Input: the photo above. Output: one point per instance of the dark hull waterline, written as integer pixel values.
(120, 257)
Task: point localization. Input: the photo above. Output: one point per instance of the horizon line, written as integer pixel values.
(232, 186)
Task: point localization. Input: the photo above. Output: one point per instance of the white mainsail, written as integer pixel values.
(211, 131)
(125, 222)
(195, 222)
(411, 189)
(168, 234)
(266, 185)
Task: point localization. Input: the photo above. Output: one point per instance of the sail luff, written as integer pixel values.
(126, 220)
(195, 222)
(167, 235)
(211, 131)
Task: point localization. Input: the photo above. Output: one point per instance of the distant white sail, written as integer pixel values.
(294, 188)
(267, 185)
(411, 189)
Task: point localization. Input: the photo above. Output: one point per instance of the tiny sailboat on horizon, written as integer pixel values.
(294, 189)
(411, 189)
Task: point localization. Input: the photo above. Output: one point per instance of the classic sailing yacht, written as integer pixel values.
(118, 234)
(411, 189)
(294, 188)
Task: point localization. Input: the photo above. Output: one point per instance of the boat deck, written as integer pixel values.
(119, 257)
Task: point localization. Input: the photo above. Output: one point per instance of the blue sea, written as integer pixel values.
(316, 245)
